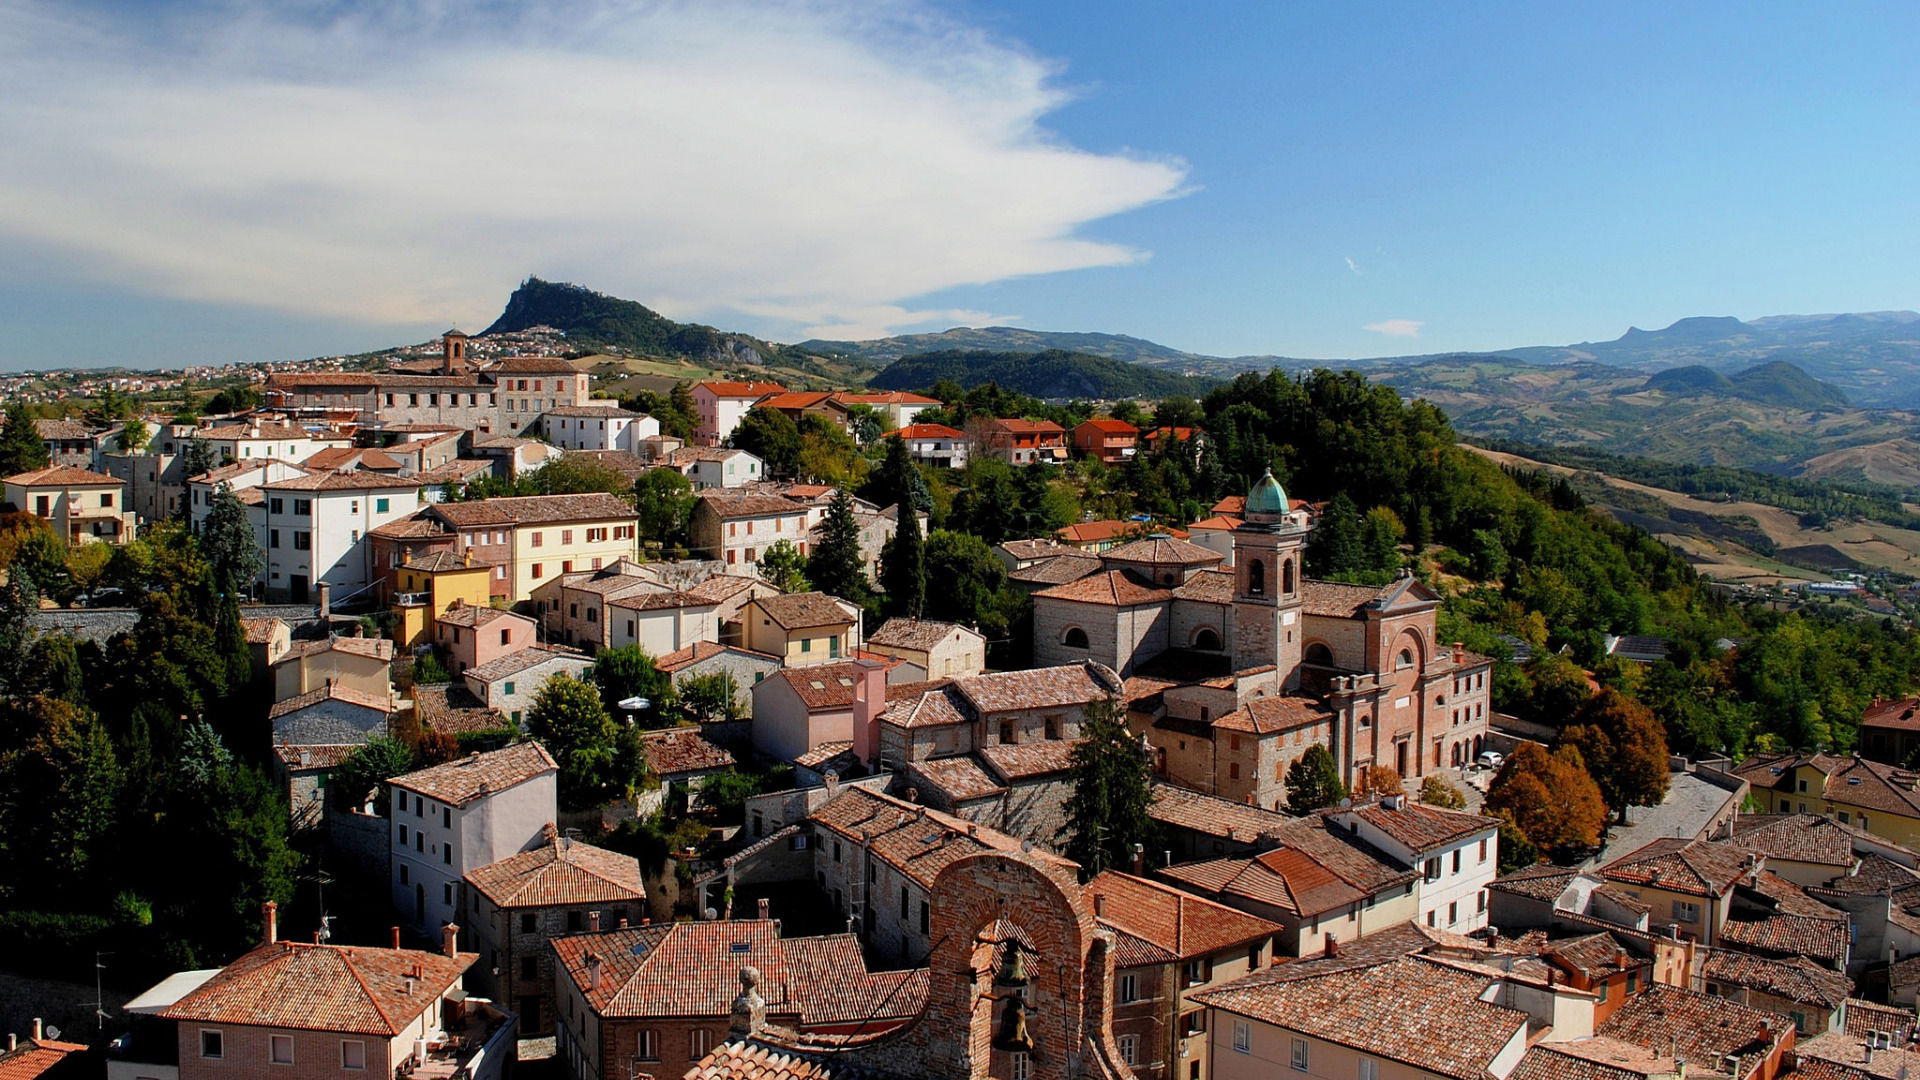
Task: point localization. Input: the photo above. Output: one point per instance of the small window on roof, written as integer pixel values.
(741, 947)
(1853, 780)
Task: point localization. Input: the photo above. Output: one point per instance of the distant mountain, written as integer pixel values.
(1014, 339)
(596, 321)
(1692, 379)
(1773, 383)
(1053, 373)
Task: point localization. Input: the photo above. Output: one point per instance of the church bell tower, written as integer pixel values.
(1267, 550)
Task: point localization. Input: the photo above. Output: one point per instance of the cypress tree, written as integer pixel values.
(903, 566)
(20, 447)
(1108, 811)
(835, 566)
(1313, 781)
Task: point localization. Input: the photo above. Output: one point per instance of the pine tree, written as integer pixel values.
(903, 565)
(1338, 545)
(784, 567)
(20, 447)
(835, 567)
(197, 456)
(1313, 781)
(1108, 811)
(227, 541)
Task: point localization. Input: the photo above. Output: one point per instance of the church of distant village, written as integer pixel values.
(1232, 667)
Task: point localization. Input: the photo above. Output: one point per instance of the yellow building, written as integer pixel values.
(81, 507)
(801, 628)
(531, 539)
(1881, 799)
(1687, 884)
(430, 584)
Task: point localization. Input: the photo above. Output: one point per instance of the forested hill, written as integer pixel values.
(594, 320)
(1776, 382)
(1055, 374)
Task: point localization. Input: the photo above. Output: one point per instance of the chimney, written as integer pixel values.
(269, 923)
(1139, 860)
(593, 921)
(1332, 947)
(38, 1031)
(13, 1042)
(396, 938)
(765, 908)
(1099, 905)
(623, 923)
(593, 971)
(325, 592)
(449, 938)
(749, 1009)
(869, 701)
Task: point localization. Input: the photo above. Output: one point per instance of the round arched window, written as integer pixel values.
(1075, 638)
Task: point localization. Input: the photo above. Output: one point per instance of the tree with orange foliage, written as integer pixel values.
(1375, 781)
(1625, 749)
(1551, 797)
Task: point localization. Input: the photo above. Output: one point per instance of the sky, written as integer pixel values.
(204, 182)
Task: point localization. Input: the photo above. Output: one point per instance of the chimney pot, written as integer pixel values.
(1099, 905)
(593, 971)
(396, 937)
(269, 923)
(450, 937)
(1139, 860)
(38, 1029)
(1332, 947)
(593, 921)
(764, 906)
(13, 1042)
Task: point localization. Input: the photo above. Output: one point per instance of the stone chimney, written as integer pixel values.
(593, 921)
(396, 938)
(1332, 946)
(749, 1009)
(1139, 860)
(325, 593)
(765, 909)
(869, 701)
(269, 923)
(593, 971)
(449, 939)
(1099, 905)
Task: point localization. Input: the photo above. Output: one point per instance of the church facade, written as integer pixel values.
(1232, 674)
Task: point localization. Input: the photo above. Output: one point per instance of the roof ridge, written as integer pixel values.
(373, 998)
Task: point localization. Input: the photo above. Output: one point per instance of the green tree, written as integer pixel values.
(628, 672)
(133, 437)
(682, 411)
(973, 586)
(58, 801)
(577, 474)
(897, 473)
(234, 399)
(903, 566)
(784, 567)
(664, 501)
(1313, 781)
(365, 772)
(197, 457)
(714, 696)
(1551, 798)
(1338, 545)
(726, 794)
(20, 447)
(1107, 811)
(835, 566)
(228, 826)
(771, 436)
(227, 541)
(1435, 791)
(1624, 748)
(567, 716)
(1559, 688)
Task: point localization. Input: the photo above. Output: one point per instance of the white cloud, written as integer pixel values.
(1354, 266)
(811, 162)
(1396, 327)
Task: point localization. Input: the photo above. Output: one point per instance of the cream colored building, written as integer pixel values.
(531, 539)
(929, 648)
(80, 506)
(802, 628)
(362, 665)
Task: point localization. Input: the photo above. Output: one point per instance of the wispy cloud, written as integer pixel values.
(814, 162)
(1354, 266)
(1396, 327)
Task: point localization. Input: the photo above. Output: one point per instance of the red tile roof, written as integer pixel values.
(701, 651)
(559, 872)
(822, 686)
(885, 397)
(919, 635)
(1163, 551)
(1679, 865)
(1110, 588)
(476, 776)
(800, 611)
(324, 988)
(1184, 925)
(1107, 425)
(534, 365)
(1901, 715)
(329, 693)
(1039, 688)
(927, 431)
(915, 840)
(536, 509)
(1276, 713)
(682, 750)
(740, 389)
(60, 476)
(35, 1057)
(1420, 827)
(1696, 1026)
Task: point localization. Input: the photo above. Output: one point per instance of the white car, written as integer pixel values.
(1490, 759)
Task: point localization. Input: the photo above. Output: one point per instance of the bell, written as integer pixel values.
(1013, 970)
(1013, 1028)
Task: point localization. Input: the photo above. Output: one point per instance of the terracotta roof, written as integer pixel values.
(1698, 1027)
(1039, 688)
(822, 686)
(682, 750)
(36, 1057)
(371, 648)
(1163, 551)
(1796, 978)
(916, 840)
(415, 527)
(1113, 588)
(1216, 523)
(1213, 816)
(1423, 828)
(1855, 781)
(927, 431)
(822, 754)
(797, 399)
(536, 509)
(324, 988)
(799, 611)
(514, 663)
(1185, 926)
(311, 758)
(593, 412)
(61, 429)
(1838, 1055)
(936, 707)
(260, 631)
(1425, 1015)
(328, 693)
(1284, 878)
(1865, 1016)
(1207, 586)
(701, 651)
(1597, 1058)
(1040, 548)
(1057, 570)
(740, 389)
(1676, 864)
(1595, 956)
(753, 1059)
(1088, 531)
(885, 397)
(452, 708)
(1107, 425)
(726, 507)
(332, 481)
(661, 599)
(917, 634)
(960, 778)
(558, 872)
(1542, 882)
(60, 476)
(1789, 898)
(1901, 715)
(334, 458)
(475, 776)
(534, 365)
(439, 562)
(1027, 427)
(1022, 761)
(1278, 712)
(1790, 935)
(1334, 600)
(252, 431)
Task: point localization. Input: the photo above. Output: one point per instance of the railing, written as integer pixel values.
(412, 599)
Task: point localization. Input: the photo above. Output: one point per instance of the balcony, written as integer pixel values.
(412, 599)
(479, 1042)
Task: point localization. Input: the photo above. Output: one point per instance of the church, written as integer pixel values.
(1231, 673)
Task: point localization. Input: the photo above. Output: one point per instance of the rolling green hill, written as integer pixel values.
(1054, 373)
(596, 321)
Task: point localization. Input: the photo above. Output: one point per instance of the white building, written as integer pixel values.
(597, 427)
(716, 466)
(316, 528)
(897, 408)
(935, 445)
(1457, 855)
(509, 683)
(719, 406)
(460, 816)
(241, 476)
(243, 442)
(528, 386)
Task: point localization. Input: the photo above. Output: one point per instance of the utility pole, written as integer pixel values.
(99, 997)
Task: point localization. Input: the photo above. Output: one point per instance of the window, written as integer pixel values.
(566, 536)
(353, 1054)
(536, 538)
(646, 1046)
(303, 507)
(1300, 1054)
(1022, 1066)
(302, 541)
(280, 1049)
(1129, 989)
(699, 1041)
(1253, 953)
(1433, 918)
(403, 831)
(1633, 982)
(1075, 638)
(1601, 993)
(529, 967)
(1483, 850)
(380, 505)
(210, 1044)
(1369, 1069)
(1683, 911)
(106, 499)
(526, 922)
(1433, 869)
(446, 894)
(923, 917)
(1130, 1049)
(403, 874)
(446, 817)
(1242, 1037)
(573, 922)
(446, 856)
(1453, 912)
(276, 506)
(536, 571)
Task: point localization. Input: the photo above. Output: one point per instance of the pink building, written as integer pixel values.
(473, 636)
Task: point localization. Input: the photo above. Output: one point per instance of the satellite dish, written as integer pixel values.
(53, 1033)
(634, 704)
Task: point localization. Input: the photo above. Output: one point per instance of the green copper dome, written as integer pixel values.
(1267, 496)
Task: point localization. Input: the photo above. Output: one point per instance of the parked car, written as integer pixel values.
(1490, 759)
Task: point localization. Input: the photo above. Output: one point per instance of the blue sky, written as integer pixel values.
(228, 183)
